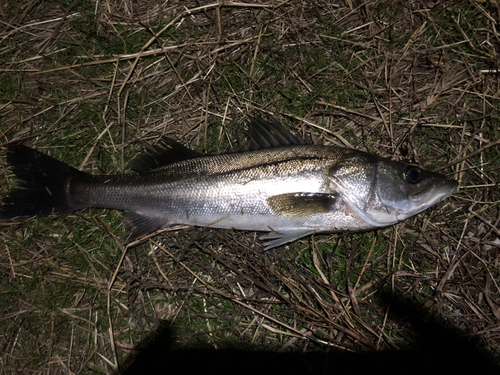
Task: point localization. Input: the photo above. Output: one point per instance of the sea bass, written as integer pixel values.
(277, 183)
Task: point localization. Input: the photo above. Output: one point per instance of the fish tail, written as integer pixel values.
(43, 185)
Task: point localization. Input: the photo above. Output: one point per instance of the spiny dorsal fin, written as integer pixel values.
(264, 134)
(166, 152)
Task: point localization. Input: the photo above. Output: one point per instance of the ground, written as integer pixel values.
(92, 82)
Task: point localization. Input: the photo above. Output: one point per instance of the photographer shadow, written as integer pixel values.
(436, 349)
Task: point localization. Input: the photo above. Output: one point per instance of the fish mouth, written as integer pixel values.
(434, 193)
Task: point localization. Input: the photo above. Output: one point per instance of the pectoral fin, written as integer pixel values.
(301, 204)
(283, 237)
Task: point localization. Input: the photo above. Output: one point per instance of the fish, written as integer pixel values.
(274, 182)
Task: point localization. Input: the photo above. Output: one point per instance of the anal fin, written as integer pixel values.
(138, 225)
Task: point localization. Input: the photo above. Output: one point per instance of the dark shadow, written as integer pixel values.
(437, 350)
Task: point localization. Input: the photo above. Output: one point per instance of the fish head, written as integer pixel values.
(382, 192)
(401, 191)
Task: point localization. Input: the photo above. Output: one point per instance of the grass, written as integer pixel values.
(90, 85)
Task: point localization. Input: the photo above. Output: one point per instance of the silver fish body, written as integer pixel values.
(290, 191)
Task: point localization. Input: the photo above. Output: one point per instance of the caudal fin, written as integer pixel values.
(42, 187)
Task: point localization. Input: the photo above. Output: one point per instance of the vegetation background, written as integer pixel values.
(92, 82)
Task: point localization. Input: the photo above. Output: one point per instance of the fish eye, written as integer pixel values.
(412, 174)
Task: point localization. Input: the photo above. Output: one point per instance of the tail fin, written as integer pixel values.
(43, 185)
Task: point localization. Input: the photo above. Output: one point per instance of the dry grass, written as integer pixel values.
(89, 82)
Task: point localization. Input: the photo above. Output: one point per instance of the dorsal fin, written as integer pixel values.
(265, 134)
(261, 134)
(166, 152)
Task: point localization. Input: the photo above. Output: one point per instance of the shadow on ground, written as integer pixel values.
(437, 349)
